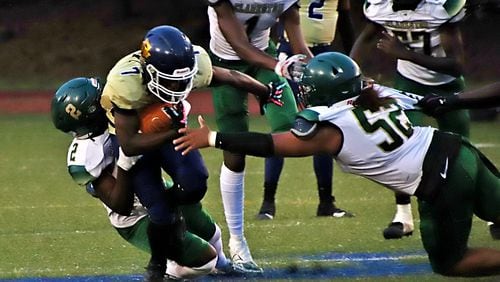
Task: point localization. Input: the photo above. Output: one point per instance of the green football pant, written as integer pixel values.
(200, 229)
(445, 222)
(231, 104)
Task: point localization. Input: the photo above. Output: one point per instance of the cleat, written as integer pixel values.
(155, 272)
(267, 211)
(230, 269)
(240, 255)
(396, 230)
(494, 230)
(330, 209)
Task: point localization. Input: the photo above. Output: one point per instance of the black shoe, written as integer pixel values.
(330, 209)
(495, 231)
(155, 272)
(267, 211)
(395, 230)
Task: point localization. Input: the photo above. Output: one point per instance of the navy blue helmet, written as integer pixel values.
(170, 63)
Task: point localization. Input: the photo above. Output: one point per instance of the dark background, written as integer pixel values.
(45, 42)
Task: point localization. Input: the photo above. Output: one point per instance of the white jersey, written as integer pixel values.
(381, 146)
(87, 159)
(419, 30)
(258, 16)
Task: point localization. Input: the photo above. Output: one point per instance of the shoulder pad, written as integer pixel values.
(124, 86)
(452, 7)
(309, 115)
(86, 159)
(203, 77)
(306, 124)
(80, 175)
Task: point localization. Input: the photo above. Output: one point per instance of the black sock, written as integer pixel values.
(270, 191)
(402, 199)
(158, 244)
(325, 195)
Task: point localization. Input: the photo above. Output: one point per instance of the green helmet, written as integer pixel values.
(76, 108)
(329, 78)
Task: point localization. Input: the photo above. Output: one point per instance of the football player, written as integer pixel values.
(364, 126)
(93, 163)
(319, 21)
(165, 69)
(425, 39)
(240, 40)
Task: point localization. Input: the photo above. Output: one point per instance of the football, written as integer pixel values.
(154, 118)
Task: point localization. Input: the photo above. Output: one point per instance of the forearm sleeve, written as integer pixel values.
(248, 143)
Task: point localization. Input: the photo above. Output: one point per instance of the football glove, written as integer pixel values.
(275, 93)
(292, 67)
(176, 113)
(125, 162)
(435, 105)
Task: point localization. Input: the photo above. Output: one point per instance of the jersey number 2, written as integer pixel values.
(315, 5)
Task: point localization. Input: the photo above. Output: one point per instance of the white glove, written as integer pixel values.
(291, 68)
(125, 162)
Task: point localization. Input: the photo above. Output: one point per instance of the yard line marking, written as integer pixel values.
(486, 145)
(364, 265)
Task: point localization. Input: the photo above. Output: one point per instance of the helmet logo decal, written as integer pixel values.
(145, 48)
(183, 71)
(73, 111)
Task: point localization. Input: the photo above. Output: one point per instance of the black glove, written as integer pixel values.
(275, 93)
(435, 105)
(176, 113)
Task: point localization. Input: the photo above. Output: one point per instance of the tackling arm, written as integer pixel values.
(131, 141)
(484, 97)
(241, 81)
(117, 193)
(327, 140)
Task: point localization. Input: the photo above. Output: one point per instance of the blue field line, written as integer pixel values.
(350, 265)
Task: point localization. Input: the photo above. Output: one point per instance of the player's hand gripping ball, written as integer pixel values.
(155, 118)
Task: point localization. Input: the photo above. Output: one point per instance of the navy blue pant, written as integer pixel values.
(188, 173)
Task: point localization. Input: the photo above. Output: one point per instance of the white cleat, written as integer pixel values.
(241, 257)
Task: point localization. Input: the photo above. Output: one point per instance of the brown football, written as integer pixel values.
(153, 118)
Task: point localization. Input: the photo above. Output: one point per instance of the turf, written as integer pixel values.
(52, 228)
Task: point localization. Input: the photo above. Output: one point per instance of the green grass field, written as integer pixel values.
(50, 227)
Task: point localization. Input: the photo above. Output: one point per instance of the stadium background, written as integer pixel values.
(46, 42)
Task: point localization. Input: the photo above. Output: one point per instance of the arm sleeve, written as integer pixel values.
(248, 143)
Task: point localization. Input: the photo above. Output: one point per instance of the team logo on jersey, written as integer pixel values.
(145, 48)
(259, 8)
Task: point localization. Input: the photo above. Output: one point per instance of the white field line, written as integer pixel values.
(376, 258)
(487, 145)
